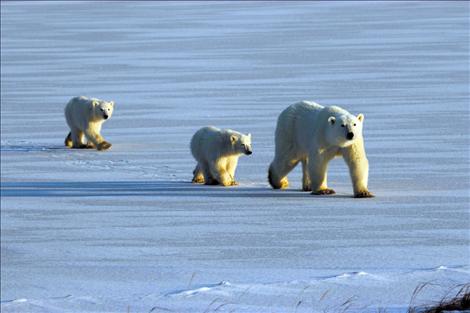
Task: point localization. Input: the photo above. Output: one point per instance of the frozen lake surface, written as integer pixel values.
(125, 231)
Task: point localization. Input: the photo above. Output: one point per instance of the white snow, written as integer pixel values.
(125, 231)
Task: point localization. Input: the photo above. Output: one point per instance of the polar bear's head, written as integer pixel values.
(241, 143)
(102, 109)
(344, 129)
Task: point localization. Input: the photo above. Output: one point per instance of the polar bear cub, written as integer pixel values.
(216, 152)
(313, 135)
(85, 117)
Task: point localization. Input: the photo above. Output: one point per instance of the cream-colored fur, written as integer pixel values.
(85, 118)
(216, 152)
(313, 135)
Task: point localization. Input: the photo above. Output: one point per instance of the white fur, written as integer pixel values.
(216, 152)
(85, 118)
(313, 135)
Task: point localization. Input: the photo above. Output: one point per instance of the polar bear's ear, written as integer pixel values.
(112, 103)
(233, 139)
(95, 102)
(249, 135)
(332, 120)
(360, 117)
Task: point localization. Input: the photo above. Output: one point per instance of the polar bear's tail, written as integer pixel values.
(68, 140)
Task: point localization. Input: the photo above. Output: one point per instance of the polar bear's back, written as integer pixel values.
(207, 141)
(294, 122)
(296, 113)
(202, 135)
(77, 112)
(77, 103)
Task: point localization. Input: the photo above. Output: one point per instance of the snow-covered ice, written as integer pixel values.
(125, 231)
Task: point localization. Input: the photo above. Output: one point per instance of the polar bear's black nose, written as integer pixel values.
(248, 152)
(105, 116)
(350, 135)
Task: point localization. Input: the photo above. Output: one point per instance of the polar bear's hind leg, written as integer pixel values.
(306, 184)
(68, 140)
(208, 178)
(278, 171)
(77, 139)
(198, 175)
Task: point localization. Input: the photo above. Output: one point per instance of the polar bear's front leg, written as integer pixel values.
(355, 157)
(93, 137)
(97, 140)
(317, 169)
(219, 171)
(231, 167)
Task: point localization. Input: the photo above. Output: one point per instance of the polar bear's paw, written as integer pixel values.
(68, 140)
(284, 183)
(326, 191)
(198, 180)
(104, 146)
(227, 183)
(364, 194)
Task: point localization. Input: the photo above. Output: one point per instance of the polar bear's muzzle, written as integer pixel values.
(248, 151)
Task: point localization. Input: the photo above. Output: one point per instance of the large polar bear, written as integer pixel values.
(85, 118)
(309, 133)
(216, 152)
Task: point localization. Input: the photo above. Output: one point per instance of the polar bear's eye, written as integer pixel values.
(342, 125)
(354, 124)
